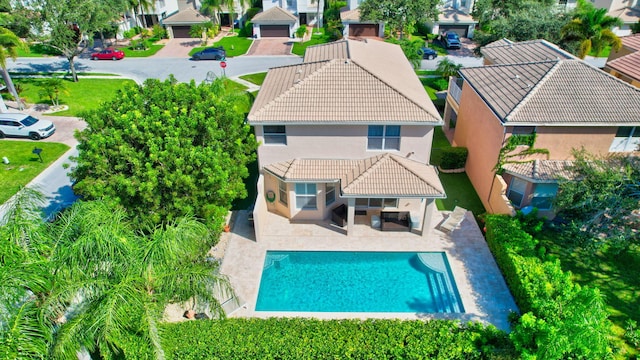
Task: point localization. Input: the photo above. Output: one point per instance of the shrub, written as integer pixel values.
(423, 29)
(246, 30)
(300, 31)
(453, 158)
(128, 34)
(251, 12)
(159, 32)
(441, 84)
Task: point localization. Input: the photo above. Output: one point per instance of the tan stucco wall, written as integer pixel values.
(560, 141)
(340, 142)
(499, 203)
(479, 130)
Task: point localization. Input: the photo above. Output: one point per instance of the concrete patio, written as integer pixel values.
(483, 291)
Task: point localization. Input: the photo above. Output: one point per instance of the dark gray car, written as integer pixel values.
(213, 53)
(452, 40)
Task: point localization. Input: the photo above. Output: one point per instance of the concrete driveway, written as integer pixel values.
(271, 46)
(177, 48)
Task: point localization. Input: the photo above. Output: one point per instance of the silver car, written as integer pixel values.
(22, 125)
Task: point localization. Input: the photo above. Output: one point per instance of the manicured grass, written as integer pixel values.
(234, 85)
(431, 85)
(616, 275)
(233, 45)
(86, 94)
(460, 192)
(426, 72)
(299, 48)
(24, 165)
(37, 50)
(58, 73)
(257, 78)
(153, 48)
(604, 53)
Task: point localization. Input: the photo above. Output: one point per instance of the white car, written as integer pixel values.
(22, 125)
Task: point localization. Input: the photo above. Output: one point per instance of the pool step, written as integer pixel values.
(443, 298)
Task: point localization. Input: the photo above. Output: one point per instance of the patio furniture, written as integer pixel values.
(339, 215)
(454, 219)
(375, 221)
(395, 221)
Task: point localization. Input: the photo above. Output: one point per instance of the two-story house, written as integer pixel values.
(352, 125)
(455, 15)
(522, 116)
(628, 11)
(353, 26)
(625, 63)
(281, 18)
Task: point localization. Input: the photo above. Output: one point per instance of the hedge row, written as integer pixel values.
(560, 319)
(297, 338)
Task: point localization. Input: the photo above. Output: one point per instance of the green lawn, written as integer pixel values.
(604, 53)
(24, 165)
(426, 72)
(616, 275)
(299, 48)
(85, 94)
(37, 50)
(257, 78)
(129, 52)
(233, 45)
(432, 86)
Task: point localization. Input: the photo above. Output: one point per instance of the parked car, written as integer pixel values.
(428, 53)
(23, 125)
(108, 54)
(452, 40)
(212, 53)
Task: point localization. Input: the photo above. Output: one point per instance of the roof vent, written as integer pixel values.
(516, 77)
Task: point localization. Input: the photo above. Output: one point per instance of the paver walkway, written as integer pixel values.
(271, 46)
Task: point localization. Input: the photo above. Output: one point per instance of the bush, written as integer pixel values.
(300, 31)
(251, 12)
(441, 84)
(453, 158)
(423, 29)
(296, 338)
(159, 32)
(247, 30)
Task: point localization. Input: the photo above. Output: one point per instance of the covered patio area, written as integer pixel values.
(482, 289)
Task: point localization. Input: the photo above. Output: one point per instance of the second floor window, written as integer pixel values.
(275, 134)
(383, 137)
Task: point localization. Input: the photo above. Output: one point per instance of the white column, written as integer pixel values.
(351, 214)
(427, 217)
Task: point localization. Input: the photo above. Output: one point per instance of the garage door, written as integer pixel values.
(274, 30)
(461, 30)
(363, 30)
(181, 32)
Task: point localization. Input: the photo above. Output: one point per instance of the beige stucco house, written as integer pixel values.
(351, 125)
(625, 63)
(546, 97)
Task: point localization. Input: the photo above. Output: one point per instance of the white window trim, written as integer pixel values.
(384, 138)
(368, 206)
(517, 192)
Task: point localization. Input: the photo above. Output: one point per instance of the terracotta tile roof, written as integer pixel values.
(631, 41)
(345, 82)
(628, 65)
(382, 175)
(450, 15)
(186, 16)
(507, 52)
(552, 93)
(347, 15)
(275, 15)
(542, 170)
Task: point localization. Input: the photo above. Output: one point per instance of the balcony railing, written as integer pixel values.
(455, 88)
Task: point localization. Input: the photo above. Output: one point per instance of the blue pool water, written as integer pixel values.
(322, 281)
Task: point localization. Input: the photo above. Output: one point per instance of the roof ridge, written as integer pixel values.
(399, 159)
(367, 170)
(394, 89)
(534, 89)
(292, 88)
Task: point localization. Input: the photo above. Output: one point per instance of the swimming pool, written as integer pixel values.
(324, 281)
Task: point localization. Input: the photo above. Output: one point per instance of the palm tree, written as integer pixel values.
(9, 44)
(219, 5)
(447, 68)
(90, 280)
(591, 28)
(141, 5)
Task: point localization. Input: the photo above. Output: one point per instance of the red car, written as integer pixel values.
(108, 54)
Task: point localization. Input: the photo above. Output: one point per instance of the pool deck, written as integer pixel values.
(482, 288)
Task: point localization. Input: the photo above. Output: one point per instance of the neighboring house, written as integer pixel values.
(179, 24)
(628, 11)
(353, 26)
(275, 19)
(351, 127)
(455, 15)
(625, 63)
(547, 98)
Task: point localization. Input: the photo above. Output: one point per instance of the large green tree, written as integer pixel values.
(399, 15)
(90, 280)
(591, 29)
(602, 208)
(165, 149)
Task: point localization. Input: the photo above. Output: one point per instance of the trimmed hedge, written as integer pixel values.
(453, 158)
(560, 319)
(298, 338)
